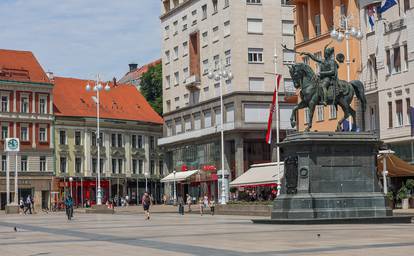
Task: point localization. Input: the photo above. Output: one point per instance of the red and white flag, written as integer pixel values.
(272, 110)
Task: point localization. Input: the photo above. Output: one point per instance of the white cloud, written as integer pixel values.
(80, 38)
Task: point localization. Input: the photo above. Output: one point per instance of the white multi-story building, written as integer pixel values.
(241, 36)
(388, 57)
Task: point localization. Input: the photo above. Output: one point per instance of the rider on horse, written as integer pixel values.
(328, 70)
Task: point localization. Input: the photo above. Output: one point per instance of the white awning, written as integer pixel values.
(179, 176)
(259, 174)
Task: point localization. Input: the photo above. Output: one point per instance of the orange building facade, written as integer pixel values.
(314, 20)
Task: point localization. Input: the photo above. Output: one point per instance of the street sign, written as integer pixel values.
(12, 145)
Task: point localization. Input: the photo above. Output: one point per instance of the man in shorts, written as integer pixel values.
(146, 203)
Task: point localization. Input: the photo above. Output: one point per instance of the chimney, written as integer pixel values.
(50, 75)
(133, 66)
(114, 81)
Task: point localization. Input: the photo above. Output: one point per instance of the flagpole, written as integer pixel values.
(277, 127)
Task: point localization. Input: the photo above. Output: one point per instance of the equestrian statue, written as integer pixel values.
(325, 88)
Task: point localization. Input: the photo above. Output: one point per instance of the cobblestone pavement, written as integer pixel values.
(171, 234)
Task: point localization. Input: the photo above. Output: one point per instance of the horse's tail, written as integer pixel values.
(360, 93)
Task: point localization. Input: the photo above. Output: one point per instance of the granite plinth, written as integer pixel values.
(330, 176)
(100, 209)
(12, 209)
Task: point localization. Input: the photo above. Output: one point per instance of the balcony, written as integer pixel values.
(395, 25)
(192, 83)
(371, 85)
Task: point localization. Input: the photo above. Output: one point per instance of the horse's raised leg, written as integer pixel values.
(301, 105)
(312, 106)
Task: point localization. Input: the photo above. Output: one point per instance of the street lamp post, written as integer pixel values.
(175, 190)
(70, 182)
(385, 153)
(218, 74)
(97, 88)
(146, 181)
(347, 32)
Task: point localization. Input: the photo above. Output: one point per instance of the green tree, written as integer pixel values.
(151, 87)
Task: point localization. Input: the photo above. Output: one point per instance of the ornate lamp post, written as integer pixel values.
(175, 190)
(346, 31)
(218, 75)
(70, 183)
(97, 88)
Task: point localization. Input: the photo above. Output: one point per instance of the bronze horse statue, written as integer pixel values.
(311, 94)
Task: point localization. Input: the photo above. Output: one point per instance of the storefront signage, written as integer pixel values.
(12, 145)
(209, 168)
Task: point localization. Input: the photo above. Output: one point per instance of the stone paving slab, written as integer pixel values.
(171, 234)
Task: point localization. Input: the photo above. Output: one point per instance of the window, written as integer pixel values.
(114, 165)
(229, 87)
(399, 109)
(227, 55)
(167, 57)
(178, 126)
(63, 165)
(134, 141)
(255, 26)
(4, 163)
(214, 6)
(24, 104)
(388, 54)
(187, 124)
(255, 55)
(176, 78)
(405, 57)
(94, 164)
(230, 113)
(42, 163)
(152, 142)
(113, 140)
(184, 22)
(62, 137)
(78, 138)
(216, 60)
(306, 115)
(226, 28)
(42, 134)
(397, 60)
(204, 11)
(185, 72)
(332, 112)
(166, 32)
(406, 5)
(289, 87)
(287, 27)
(141, 166)
(120, 163)
(197, 121)
(205, 38)
(185, 48)
(4, 132)
(217, 89)
(140, 141)
(390, 124)
(256, 84)
(254, 1)
(226, 3)
(167, 81)
(217, 116)
(4, 103)
(78, 164)
(318, 24)
(42, 105)
(288, 56)
(120, 142)
(305, 60)
(134, 166)
(408, 104)
(207, 119)
(176, 53)
(160, 166)
(215, 34)
(23, 163)
(320, 110)
(175, 24)
(152, 167)
(24, 135)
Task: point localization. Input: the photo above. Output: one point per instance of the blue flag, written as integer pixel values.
(412, 120)
(387, 5)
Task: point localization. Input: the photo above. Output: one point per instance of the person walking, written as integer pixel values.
(180, 202)
(205, 201)
(146, 203)
(69, 207)
(189, 202)
(201, 205)
(21, 204)
(28, 205)
(212, 206)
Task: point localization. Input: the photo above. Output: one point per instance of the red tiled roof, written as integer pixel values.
(21, 66)
(122, 102)
(137, 73)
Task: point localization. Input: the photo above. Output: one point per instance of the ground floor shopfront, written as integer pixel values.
(83, 189)
(39, 187)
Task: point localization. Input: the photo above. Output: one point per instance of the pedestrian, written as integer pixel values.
(180, 205)
(212, 206)
(201, 205)
(189, 202)
(205, 201)
(69, 207)
(21, 204)
(126, 200)
(146, 203)
(28, 205)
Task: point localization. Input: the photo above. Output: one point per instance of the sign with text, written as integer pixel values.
(12, 145)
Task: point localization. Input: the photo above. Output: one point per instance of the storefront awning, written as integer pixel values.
(259, 175)
(179, 176)
(396, 167)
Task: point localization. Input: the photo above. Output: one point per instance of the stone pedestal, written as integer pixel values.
(330, 176)
(12, 209)
(100, 209)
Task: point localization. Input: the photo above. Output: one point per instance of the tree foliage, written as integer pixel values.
(151, 87)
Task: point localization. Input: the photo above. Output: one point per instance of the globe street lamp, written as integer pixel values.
(146, 174)
(175, 191)
(97, 88)
(345, 31)
(218, 74)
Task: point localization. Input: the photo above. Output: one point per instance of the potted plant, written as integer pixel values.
(233, 191)
(410, 186)
(403, 196)
(390, 199)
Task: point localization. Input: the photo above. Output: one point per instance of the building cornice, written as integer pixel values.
(25, 83)
(177, 9)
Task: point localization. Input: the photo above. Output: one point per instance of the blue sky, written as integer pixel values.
(79, 38)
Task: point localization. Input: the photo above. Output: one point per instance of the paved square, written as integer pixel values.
(191, 234)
